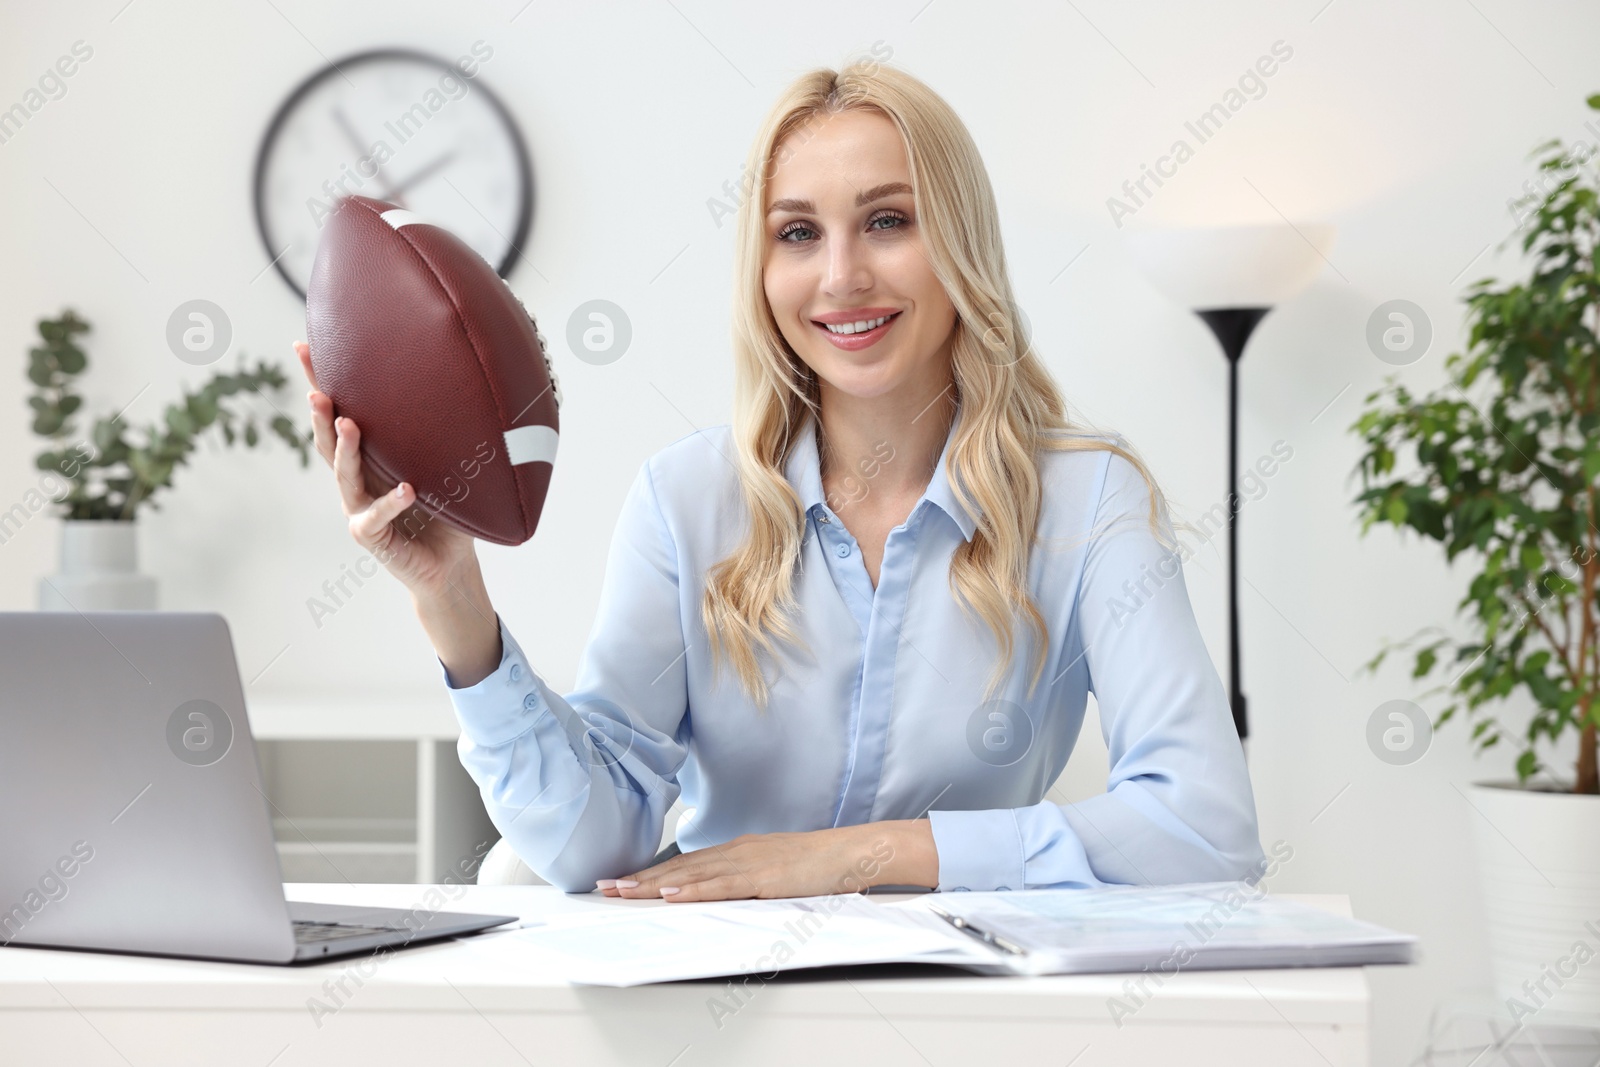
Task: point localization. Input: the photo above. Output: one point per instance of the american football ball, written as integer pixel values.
(415, 337)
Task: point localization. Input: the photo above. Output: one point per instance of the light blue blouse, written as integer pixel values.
(884, 717)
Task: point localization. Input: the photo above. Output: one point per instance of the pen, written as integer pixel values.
(977, 931)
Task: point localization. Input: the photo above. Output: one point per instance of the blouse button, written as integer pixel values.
(516, 672)
(843, 550)
(530, 701)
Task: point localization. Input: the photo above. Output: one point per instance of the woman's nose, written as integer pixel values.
(847, 267)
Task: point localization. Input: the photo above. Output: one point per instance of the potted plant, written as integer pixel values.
(1506, 458)
(100, 481)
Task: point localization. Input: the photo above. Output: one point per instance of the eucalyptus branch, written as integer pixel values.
(111, 473)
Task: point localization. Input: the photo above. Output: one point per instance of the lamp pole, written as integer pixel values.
(1232, 277)
(1233, 327)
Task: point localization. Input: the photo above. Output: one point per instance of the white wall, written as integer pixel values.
(1407, 127)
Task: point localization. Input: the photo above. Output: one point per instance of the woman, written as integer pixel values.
(808, 623)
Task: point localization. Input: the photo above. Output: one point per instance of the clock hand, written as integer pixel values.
(424, 172)
(361, 153)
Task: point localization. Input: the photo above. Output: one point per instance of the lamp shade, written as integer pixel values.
(1231, 266)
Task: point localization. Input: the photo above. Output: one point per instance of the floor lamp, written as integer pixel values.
(1231, 276)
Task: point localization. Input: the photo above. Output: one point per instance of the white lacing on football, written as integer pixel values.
(544, 347)
(534, 444)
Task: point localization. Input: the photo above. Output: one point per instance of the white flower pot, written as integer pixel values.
(1539, 870)
(99, 570)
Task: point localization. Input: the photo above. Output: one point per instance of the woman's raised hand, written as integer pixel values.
(425, 553)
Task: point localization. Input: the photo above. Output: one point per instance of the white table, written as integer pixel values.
(475, 1003)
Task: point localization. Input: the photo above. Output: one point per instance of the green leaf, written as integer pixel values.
(1425, 662)
(40, 373)
(203, 408)
(139, 463)
(1591, 465)
(70, 358)
(1559, 585)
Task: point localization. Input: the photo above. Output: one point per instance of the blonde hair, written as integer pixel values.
(1010, 406)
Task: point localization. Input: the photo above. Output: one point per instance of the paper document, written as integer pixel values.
(1180, 927)
(632, 946)
(1030, 932)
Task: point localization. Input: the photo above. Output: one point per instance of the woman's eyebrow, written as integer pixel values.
(806, 207)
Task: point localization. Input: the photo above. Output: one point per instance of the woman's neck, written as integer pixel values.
(888, 446)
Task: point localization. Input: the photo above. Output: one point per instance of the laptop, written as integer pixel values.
(134, 818)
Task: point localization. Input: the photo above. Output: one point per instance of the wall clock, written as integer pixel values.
(401, 126)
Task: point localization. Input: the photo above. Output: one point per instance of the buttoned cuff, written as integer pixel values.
(505, 704)
(978, 850)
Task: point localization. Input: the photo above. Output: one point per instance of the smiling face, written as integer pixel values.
(846, 272)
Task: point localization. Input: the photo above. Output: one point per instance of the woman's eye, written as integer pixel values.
(805, 232)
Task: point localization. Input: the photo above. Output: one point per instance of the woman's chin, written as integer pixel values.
(861, 390)
(862, 377)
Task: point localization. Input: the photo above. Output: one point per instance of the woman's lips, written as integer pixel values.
(854, 342)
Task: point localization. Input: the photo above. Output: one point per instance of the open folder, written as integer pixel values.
(1201, 926)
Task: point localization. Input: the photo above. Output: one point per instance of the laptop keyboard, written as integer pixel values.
(307, 932)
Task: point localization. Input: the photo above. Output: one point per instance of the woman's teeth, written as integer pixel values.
(858, 327)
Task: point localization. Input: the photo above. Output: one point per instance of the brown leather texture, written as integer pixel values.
(419, 341)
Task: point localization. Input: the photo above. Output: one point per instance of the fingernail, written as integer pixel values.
(601, 883)
(626, 883)
(668, 890)
(400, 490)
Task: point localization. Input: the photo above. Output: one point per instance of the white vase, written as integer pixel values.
(1539, 870)
(99, 570)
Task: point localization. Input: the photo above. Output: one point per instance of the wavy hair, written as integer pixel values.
(1010, 407)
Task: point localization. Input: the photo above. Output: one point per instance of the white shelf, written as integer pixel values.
(352, 861)
(360, 716)
(318, 830)
(355, 848)
(332, 826)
